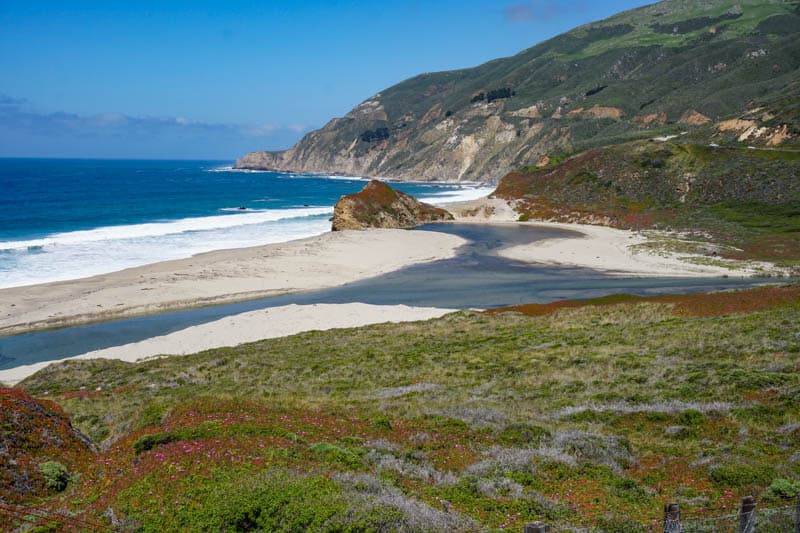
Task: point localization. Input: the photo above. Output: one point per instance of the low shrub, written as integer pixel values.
(741, 474)
(783, 488)
(522, 435)
(56, 475)
(383, 422)
(148, 442)
(153, 414)
(630, 491)
(691, 418)
(276, 501)
(332, 453)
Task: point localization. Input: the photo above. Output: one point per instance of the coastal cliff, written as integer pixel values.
(379, 206)
(658, 70)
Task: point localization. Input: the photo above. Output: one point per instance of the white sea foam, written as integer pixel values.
(76, 254)
(92, 257)
(157, 229)
(231, 169)
(346, 178)
(459, 195)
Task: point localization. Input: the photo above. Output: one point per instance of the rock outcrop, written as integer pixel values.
(379, 206)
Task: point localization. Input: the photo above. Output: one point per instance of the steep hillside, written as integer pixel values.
(672, 66)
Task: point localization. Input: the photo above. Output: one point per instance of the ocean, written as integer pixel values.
(66, 219)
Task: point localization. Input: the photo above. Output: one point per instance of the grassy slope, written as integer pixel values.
(745, 198)
(490, 420)
(628, 55)
(649, 64)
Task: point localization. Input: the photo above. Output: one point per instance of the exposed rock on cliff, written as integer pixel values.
(379, 206)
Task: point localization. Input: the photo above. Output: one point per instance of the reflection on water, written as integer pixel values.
(475, 278)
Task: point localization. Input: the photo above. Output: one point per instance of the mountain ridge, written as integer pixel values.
(655, 70)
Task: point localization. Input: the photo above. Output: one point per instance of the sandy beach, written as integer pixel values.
(247, 327)
(614, 251)
(222, 276)
(319, 262)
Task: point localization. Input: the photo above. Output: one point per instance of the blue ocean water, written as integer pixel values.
(65, 219)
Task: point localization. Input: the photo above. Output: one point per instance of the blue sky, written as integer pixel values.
(215, 79)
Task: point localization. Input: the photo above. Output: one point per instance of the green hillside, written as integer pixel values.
(660, 69)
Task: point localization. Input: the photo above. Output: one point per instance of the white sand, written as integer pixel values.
(609, 249)
(223, 276)
(248, 327)
(601, 248)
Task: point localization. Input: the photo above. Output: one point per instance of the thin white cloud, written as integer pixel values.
(16, 113)
(27, 131)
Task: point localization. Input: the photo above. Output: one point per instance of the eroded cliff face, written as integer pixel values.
(594, 86)
(481, 143)
(379, 206)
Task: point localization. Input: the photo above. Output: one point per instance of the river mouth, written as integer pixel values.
(475, 278)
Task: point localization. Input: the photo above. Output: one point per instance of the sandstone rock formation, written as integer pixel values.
(379, 206)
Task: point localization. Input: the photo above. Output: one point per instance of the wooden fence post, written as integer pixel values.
(747, 515)
(672, 518)
(536, 527)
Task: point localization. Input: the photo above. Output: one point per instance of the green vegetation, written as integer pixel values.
(56, 475)
(274, 500)
(759, 216)
(783, 488)
(741, 474)
(494, 94)
(557, 412)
